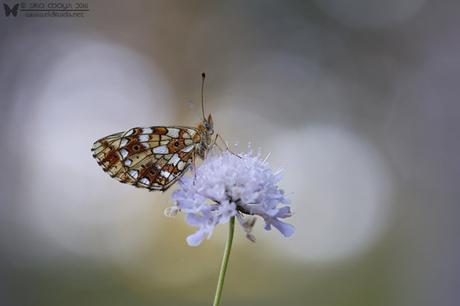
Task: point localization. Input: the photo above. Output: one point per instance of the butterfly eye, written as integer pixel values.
(209, 127)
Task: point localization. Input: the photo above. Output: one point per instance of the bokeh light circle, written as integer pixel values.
(71, 205)
(340, 190)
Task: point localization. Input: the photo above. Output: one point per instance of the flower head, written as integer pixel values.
(226, 185)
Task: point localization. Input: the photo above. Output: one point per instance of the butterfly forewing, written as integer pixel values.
(153, 157)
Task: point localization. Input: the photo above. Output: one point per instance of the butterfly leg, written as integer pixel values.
(214, 143)
(226, 145)
(194, 168)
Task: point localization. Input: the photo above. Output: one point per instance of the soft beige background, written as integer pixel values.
(356, 100)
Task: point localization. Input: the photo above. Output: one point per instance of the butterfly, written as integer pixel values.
(154, 157)
(13, 11)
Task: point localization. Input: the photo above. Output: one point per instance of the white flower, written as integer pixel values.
(226, 185)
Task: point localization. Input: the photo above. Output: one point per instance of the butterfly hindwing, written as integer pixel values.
(153, 158)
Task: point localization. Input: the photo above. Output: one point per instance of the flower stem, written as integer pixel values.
(224, 265)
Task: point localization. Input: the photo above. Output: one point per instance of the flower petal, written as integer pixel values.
(196, 238)
(285, 229)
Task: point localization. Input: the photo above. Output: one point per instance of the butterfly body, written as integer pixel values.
(153, 157)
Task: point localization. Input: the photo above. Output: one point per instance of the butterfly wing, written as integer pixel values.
(14, 10)
(153, 158)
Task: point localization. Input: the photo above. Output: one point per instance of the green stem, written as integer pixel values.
(224, 265)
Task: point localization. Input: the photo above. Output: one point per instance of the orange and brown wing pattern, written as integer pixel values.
(153, 158)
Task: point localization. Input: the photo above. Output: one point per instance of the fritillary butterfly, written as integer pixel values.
(154, 157)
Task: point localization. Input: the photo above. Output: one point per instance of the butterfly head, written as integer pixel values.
(209, 125)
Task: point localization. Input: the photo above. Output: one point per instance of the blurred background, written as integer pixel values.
(355, 100)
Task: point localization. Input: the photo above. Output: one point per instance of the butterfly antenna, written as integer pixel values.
(203, 76)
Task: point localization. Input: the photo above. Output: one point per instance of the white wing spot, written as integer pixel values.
(145, 181)
(147, 131)
(133, 173)
(123, 153)
(123, 142)
(160, 150)
(187, 149)
(143, 138)
(128, 162)
(165, 174)
(130, 132)
(174, 159)
(173, 132)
